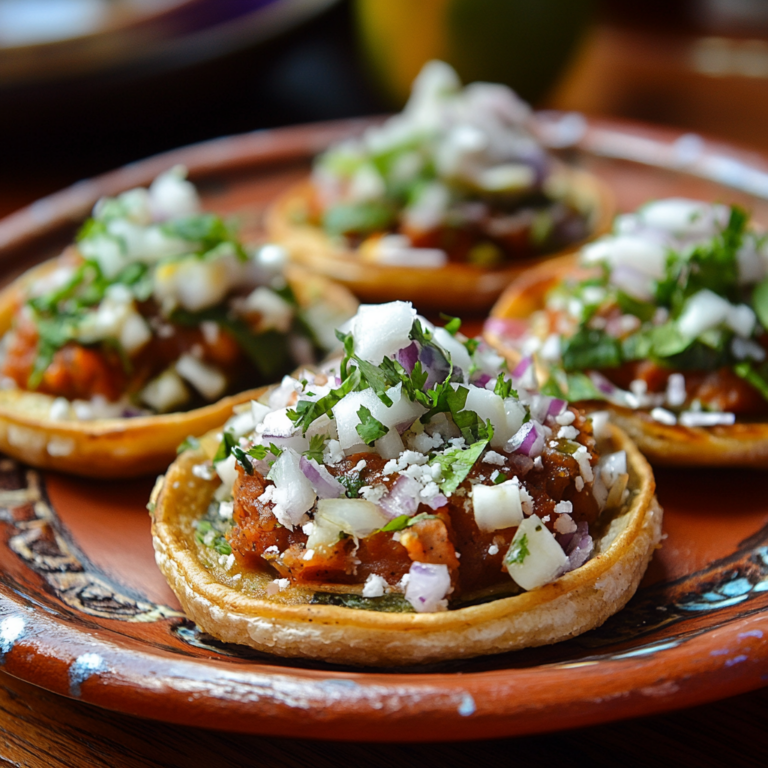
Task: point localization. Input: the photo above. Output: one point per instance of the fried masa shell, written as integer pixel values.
(116, 447)
(452, 287)
(287, 625)
(744, 444)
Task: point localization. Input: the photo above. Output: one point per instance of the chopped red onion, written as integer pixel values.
(632, 281)
(437, 501)
(509, 327)
(482, 380)
(325, 484)
(436, 365)
(578, 546)
(528, 440)
(522, 367)
(402, 498)
(556, 407)
(427, 586)
(521, 465)
(408, 356)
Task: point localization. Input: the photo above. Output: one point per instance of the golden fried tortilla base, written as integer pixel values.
(118, 447)
(454, 287)
(287, 626)
(744, 444)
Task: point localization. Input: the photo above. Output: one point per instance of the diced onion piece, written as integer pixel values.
(382, 329)
(702, 311)
(427, 587)
(324, 534)
(171, 195)
(324, 483)
(194, 283)
(276, 313)
(616, 495)
(646, 256)
(611, 466)
(684, 218)
(165, 392)
(135, 333)
(345, 412)
(294, 494)
(391, 445)
(528, 440)
(489, 406)
(402, 498)
(497, 506)
(227, 471)
(355, 517)
(209, 381)
(534, 557)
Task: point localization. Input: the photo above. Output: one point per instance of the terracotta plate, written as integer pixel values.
(85, 613)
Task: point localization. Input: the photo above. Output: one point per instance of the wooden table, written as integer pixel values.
(42, 729)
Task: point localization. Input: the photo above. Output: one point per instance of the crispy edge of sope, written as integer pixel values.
(570, 605)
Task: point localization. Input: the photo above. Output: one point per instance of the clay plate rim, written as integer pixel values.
(261, 698)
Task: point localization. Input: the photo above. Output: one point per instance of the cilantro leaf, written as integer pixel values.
(369, 428)
(453, 325)
(307, 411)
(316, 448)
(405, 521)
(503, 387)
(760, 302)
(456, 463)
(500, 478)
(590, 348)
(757, 377)
(226, 445)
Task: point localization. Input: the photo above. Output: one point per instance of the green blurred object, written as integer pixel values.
(525, 44)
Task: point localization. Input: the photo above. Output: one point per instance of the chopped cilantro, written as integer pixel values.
(503, 387)
(352, 485)
(406, 521)
(756, 376)
(590, 348)
(226, 445)
(500, 478)
(316, 448)
(453, 325)
(517, 552)
(369, 428)
(456, 463)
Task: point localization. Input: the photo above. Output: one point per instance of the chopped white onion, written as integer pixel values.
(544, 560)
(355, 517)
(497, 506)
(382, 329)
(294, 494)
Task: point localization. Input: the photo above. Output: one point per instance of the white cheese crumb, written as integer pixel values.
(494, 475)
(309, 554)
(582, 457)
(273, 550)
(332, 454)
(579, 483)
(568, 433)
(277, 586)
(59, 409)
(360, 466)
(203, 471)
(491, 457)
(564, 508)
(374, 586)
(565, 524)
(373, 493)
(663, 416)
(493, 550)
(226, 509)
(566, 418)
(538, 463)
(676, 390)
(306, 529)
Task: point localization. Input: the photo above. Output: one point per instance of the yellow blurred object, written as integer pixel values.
(522, 43)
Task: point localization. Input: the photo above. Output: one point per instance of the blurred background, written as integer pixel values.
(88, 85)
